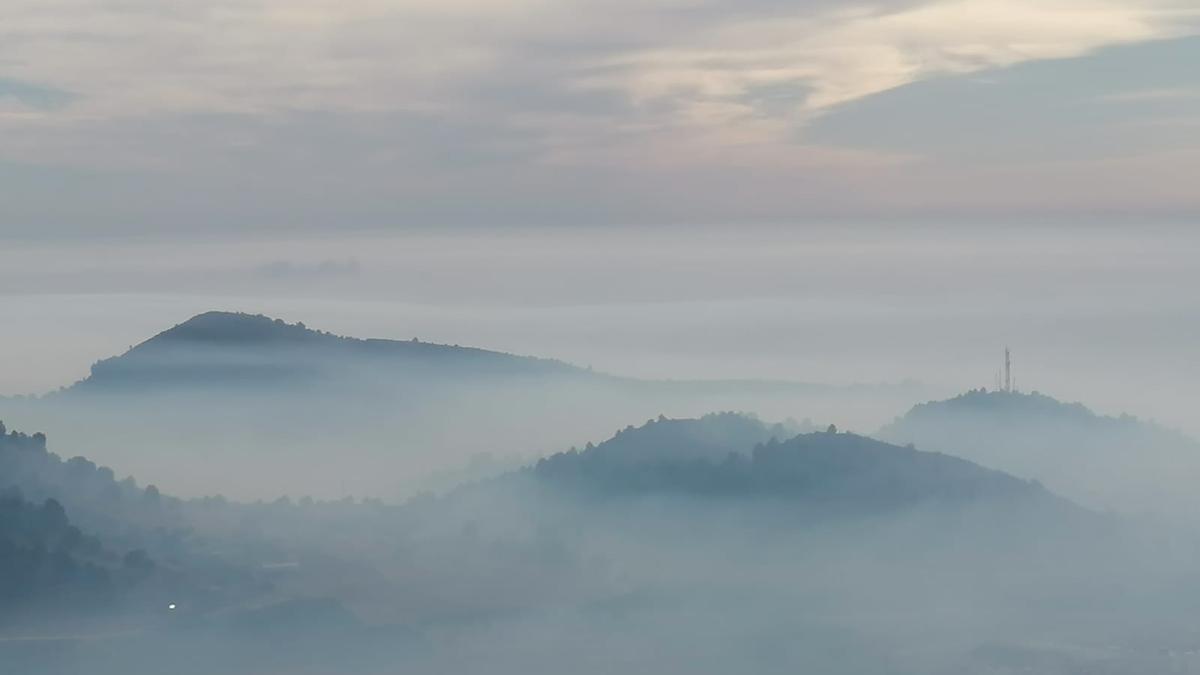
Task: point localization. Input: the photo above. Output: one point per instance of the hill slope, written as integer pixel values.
(711, 457)
(714, 527)
(1105, 462)
(711, 437)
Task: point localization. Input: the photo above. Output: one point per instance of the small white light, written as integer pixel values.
(171, 606)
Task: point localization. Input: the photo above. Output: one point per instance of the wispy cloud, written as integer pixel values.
(33, 96)
(135, 58)
(400, 107)
(1153, 95)
(322, 269)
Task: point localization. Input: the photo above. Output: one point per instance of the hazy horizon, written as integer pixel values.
(1095, 314)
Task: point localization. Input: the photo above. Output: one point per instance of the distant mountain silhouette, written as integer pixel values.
(218, 348)
(246, 349)
(1106, 462)
(252, 406)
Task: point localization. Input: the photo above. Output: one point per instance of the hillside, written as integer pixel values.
(120, 536)
(120, 510)
(719, 456)
(1106, 462)
(220, 554)
(723, 514)
(711, 437)
(48, 563)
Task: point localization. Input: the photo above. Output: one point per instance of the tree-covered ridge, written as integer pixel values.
(204, 553)
(119, 510)
(47, 560)
(127, 516)
(994, 419)
(1027, 407)
(828, 468)
(712, 436)
(505, 544)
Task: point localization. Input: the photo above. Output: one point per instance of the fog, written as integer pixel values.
(642, 336)
(1094, 313)
(260, 419)
(536, 573)
(497, 450)
(1119, 464)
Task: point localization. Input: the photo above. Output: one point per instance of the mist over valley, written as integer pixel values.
(659, 337)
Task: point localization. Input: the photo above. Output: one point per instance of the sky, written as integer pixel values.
(822, 191)
(151, 116)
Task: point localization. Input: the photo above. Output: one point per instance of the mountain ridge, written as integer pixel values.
(242, 345)
(1103, 461)
(218, 329)
(827, 466)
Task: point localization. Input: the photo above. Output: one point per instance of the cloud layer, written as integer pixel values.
(547, 110)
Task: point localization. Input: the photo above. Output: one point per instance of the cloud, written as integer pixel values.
(1115, 103)
(1153, 95)
(839, 56)
(248, 113)
(323, 269)
(234, 56)
(31, 97)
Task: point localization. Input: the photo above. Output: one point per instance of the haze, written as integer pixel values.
(1095, 313)
(554, 336)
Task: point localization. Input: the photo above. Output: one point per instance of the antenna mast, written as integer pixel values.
(1007, 370)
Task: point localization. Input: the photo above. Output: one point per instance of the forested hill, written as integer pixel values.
(991, 408)
(711, 437)
(71, 532)
(124, 514)
(47, 561)
(1122, 462)
(220, 348)
(842, 471)
(46, 558)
